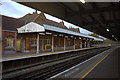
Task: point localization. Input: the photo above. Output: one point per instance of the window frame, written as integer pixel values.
(34, 43)
(48, 42)
(9, 42)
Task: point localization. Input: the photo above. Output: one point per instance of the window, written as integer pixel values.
(9, 42)
(47, 42)
(33, 42)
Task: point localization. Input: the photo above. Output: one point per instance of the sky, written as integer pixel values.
(16, 10)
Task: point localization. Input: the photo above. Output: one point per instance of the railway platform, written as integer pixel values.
(103, 66)
(15, 56)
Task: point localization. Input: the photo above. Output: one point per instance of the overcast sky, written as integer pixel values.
(17, 10)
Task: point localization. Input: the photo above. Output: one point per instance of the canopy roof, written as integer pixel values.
(34, 27)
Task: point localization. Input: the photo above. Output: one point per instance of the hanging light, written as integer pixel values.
(83, 1)
(112, 35)
(48, 33)
(108, 30)
(42, 33)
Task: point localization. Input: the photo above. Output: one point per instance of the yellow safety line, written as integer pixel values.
(95, 65)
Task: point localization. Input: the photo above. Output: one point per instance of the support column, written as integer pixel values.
(88, 43)
(97, 44)
(81, 43)
(64, 42)
(74, 42)
(38, 43)
(85, 44)
(15, 42)
(91, 42)
(52, 43)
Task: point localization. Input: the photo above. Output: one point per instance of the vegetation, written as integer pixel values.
(94, 35)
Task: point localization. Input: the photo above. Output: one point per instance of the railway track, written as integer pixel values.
(50, 70)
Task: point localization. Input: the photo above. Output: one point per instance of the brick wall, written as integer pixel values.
(77, 43)
(69, 41)
(27, 38)
(6, 34)
(58, 41)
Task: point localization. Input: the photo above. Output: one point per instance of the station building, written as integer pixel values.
(35, 33)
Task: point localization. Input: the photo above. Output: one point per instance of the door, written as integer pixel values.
(22, 45)
(18, 45)
(41, 45)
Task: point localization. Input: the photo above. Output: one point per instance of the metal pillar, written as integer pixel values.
(88, 43)
(38, 43)
(64, 42)
(81, 44)
(52, 43)
(15, 41)
(85, 44)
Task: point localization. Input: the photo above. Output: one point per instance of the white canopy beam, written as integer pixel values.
(31, 27)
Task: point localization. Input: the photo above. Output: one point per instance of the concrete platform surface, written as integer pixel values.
(108, 68)
(100, 67)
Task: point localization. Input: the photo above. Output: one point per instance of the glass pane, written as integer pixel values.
(11, 42)
(7, 42)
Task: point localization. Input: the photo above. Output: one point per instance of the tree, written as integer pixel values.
(94, 35)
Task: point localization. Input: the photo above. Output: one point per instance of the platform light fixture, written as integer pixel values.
(90, 39)
(84, 38)
(42, 33)
(83, 1)
(66, 36)
(80, 38)
(108, 30)
(112, 35)
(71, 36)
(61, 35)
(48, 33)
(54, 35)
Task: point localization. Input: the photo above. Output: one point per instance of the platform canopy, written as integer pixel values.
(65, 31)
(37, 28)
(31, 27)
(97, 16)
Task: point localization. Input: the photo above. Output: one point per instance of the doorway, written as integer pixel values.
(20, 45)
(41, 45)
